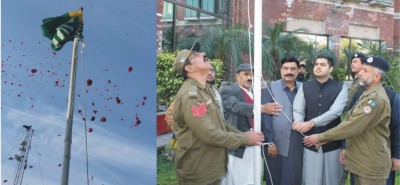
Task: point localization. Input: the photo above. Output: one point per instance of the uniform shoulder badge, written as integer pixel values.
(372, 103)
(199, 110)
(192, 91)
(366, 109)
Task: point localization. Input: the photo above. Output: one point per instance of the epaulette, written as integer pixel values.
(192, 91)
(372, 95)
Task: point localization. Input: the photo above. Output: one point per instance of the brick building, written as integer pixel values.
(336, 20)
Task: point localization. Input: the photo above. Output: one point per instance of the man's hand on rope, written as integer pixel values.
(272, 151)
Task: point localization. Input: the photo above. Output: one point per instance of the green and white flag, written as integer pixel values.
(63, 28)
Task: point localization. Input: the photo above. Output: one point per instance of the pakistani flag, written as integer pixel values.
(63, 28)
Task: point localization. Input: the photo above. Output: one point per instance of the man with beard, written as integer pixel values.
(303, 75)
(238, 111)
(211, 82)
(202, 134)
(316, 108)
(394, 127)
(365, 128)
(285, 157)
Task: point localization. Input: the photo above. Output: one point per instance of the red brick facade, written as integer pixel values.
(337, 18)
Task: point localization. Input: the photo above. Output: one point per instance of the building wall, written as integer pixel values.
(334, 18)
(396, 36)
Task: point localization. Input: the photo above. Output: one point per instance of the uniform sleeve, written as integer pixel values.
(169, 115)
(335, 110)
(266, 120)
(233, 104)
(357, 122)
(396, 127)
(206, 128)
(230, 128)
(299, 105)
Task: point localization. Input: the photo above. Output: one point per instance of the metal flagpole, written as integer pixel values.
(257, 84)
(70, 115)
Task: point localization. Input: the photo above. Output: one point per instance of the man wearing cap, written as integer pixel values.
(316, 108)
(303, 75)
(394, 127)
(169, 113)
(200, 129)
(357, 61)
(365, 128)
(238, 111)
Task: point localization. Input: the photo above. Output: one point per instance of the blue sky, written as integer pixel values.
(118, 35)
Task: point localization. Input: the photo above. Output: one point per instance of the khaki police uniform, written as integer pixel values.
(355, 86)
(367, 132)
(202, 135)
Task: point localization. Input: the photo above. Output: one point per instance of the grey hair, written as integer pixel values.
(379, 71)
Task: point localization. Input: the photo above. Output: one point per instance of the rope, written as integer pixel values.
(40, 167)
(273, 99)
(265, 160)
(84, 113)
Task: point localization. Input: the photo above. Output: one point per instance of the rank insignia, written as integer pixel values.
(372, 103)
(199, 110)
(367, 109)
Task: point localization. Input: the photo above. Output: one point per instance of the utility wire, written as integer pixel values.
(40, 166)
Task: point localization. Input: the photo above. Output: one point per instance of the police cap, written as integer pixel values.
(360, 56)
(378, 62)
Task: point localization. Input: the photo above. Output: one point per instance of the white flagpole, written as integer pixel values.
(257, 84)
(70, 115)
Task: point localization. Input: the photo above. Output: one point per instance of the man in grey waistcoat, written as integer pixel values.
(285, 156)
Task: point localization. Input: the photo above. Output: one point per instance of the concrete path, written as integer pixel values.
(163, 139)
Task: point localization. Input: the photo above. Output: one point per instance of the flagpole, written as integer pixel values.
(257, 84)
(70, 115)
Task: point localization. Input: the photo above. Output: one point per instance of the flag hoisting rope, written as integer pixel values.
(257, 84)
(60, 30)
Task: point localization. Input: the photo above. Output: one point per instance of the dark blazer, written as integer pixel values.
(236, 112)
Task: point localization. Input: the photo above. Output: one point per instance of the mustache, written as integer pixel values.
(249, 80)
(290, 74)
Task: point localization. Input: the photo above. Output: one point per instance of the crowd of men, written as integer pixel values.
(318, 130)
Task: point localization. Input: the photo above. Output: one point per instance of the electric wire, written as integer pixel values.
(84, 111)
(14, 176)
(2, 148)
(40, 166)
(8, 142)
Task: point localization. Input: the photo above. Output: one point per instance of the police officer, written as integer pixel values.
(357, 61)
(365, 128)
(200, 129)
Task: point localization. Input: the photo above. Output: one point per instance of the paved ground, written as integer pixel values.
(163, 139)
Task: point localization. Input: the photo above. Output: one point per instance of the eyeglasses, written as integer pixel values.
(187, 61)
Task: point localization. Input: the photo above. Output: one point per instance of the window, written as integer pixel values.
(168, 11)
(208, 5)
(191, 13)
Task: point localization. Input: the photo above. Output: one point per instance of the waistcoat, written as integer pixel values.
(319, 98)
